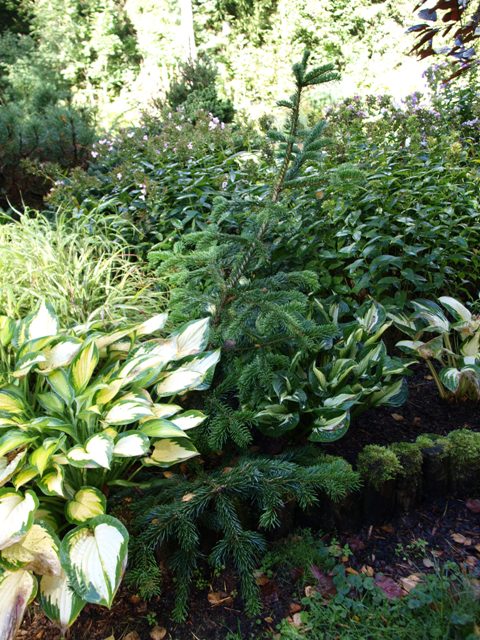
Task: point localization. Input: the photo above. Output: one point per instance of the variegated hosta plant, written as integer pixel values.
(449, 336)
(352, 373)
(81, 410)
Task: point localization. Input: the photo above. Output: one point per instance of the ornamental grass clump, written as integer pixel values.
(81, 411)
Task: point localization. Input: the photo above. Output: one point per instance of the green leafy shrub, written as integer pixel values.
(455, 345)
(75, 266)
(76, 419)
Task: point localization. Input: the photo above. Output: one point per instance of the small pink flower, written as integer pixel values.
(190, 145)
(119, 176)
(94, 154)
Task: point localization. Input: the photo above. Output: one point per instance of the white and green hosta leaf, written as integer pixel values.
(373, 318)
(12, 401)
(38, 551)
(61, 354)
(7, 330)
(14, 439)
(130, 444)
(342, 401)
(456, 308)
(27, 363)
(471, 346)
(94, 556)
(329, 425)
(59, 601)
(189, 419)
(170, 451)
(87, 503)
(17, 589)
(432, 314)
(126, 412)
(9, 465)
(40, 458)
(60, 383)
(17, 512)
(450, 378)
(152, 325)
(97, 452)
(192, 338)
(392, 395)
(23, 476)
(194, 374)
(163, 411)
(43, 323)
(83, 366)
(161, 428)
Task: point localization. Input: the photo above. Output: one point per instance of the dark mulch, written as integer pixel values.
(424, 412)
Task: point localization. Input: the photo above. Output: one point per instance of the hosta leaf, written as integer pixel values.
(41, 324)
(456, 308)
(108, 392)
(191, 375)
(342, 401)
(17, 512)
(156, 323)
(52, 483)
(171, 451)
(94, 557)
(392, 395)
(164, 410)
(8, 466)
(189, 419)
(450, 378)
(126, 412)
(275, 420)
(83, 366)
(471, 346)
(41, 456)
(7, 330)
(11, 401)
(38, 551)
(60, 383)
(23, 476)
(373, 318)
(17, 589)
(14, 439)
(61, 354)
(27, 362)
(86, 504)
(330, 425)
(192, 338)
(59, 601)
(130, 444)
(161, 428)
(432, 314)
(51, 402)
(97, 452)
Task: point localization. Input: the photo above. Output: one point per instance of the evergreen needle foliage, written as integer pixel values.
(215, 516)
(226, 269)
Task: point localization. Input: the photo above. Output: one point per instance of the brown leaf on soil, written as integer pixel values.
(135, 598)
(310, 591)
(355, 543)
(352, 571)
(410, 582)
(294, 607)
(473, 505)
(268, 619)
(325, 584)
(417, 421)
(262, 580)
(428, 563)
(461, 539)
(389, 587)
(471, 562)
(297, 620)
(367, 570)
(217, 598)
(133, 635)
(168, 474)
(477, 548)
(397, 417)
(388, 528)
(158, 633)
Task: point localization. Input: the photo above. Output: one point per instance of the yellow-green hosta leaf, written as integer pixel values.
(14, 439)
(161, 428)
(164, 411)
(46, 516)
(86, 504)
(83, 366)
(17, 589)
(471, 346)
(192, 338)
(96, 453)
(130, 444)
(61, 354)
(156, 323)
(126, 412)
(9, 465)
(41, 456)
(23, 476)
(41, 324)
(47, 423)
(51, 402)
(7, 330)
(60, 383)
(144, 368)
(38, 551)
(11, 401)
(189, 419)
(59, 601)
(108, 392)
(53, 482)
(17, 512)
(191, 375)
(171, 451)
(94, 556)
(111, 338)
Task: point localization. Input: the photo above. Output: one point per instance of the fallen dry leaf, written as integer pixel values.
(325, 584)
(397, 417)
(217, 598)
(473, 505)
(477, 548)
(410, 582)
(461, 539)
(158, 633)
(352, 571)
(310, 591)
(417, 421)
(297, 620)
(294, 607)
(268, 619)
(367, 570)
(428, 563)
(133, 635)
(388, 528)
(262, 580)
